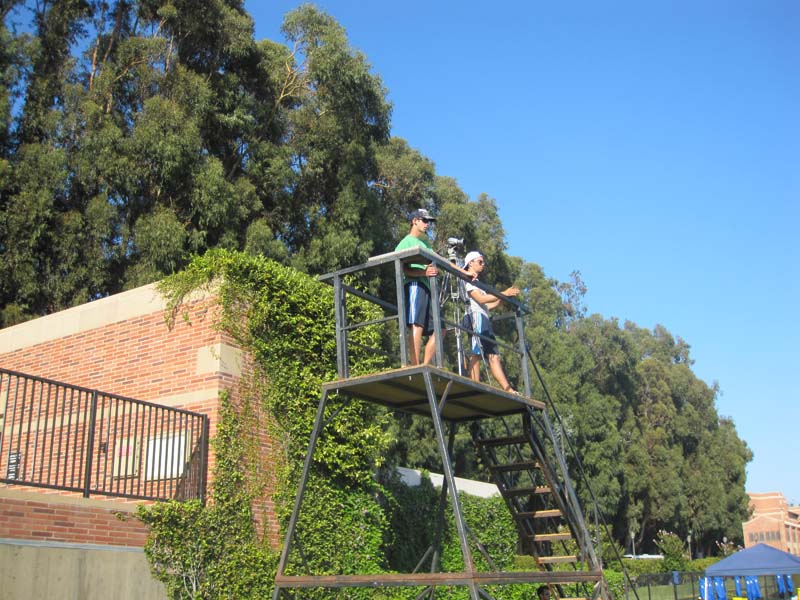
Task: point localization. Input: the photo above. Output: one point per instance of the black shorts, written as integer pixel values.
(418, 306)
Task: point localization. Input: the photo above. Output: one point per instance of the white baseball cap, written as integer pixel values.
(472, 256)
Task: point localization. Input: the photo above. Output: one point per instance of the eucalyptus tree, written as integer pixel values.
(585, 367)
(150, 131)
(13, 56)
(38, 215)
(332, 218)
(685, 466)
(406, 181)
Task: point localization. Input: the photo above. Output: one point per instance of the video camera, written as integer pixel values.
(454, 244)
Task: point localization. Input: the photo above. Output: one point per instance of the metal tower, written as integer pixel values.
(525, 462)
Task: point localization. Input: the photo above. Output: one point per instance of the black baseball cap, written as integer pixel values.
(421, 213)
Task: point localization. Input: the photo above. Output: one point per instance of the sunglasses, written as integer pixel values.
(426, 220)
(479, 261)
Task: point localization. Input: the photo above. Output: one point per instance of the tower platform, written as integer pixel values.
(461, 399)
(522, 473)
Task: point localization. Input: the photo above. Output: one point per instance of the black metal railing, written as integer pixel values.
(389, 267)
(64, 437)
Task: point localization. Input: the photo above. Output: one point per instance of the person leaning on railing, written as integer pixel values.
(483, 343)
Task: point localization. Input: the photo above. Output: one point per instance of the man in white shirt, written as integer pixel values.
(480, 303)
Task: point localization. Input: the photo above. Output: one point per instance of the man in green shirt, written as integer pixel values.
(419, 316)
(419, 320)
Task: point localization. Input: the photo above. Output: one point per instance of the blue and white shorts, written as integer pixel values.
(418, 306)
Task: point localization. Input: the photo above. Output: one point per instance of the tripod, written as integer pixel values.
(453, 290)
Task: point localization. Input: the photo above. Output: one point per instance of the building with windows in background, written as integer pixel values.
(772, 522)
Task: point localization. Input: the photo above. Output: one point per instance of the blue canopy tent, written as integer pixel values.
(752, 587)
(757, 560)
(749, 564)
(785, 585)
(706, 588)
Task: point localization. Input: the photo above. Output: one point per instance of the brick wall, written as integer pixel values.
(127, 349)
(26, 516)
(122, 345)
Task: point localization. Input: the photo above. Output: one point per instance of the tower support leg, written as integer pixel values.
(447, 467)
(319, 423)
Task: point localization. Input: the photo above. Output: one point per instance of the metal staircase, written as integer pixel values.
(526, 465)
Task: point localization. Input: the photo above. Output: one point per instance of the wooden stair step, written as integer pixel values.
(525, 491)
(501, 441)
(549, 537)
(540, 514)
(555, 560)
(525, 465)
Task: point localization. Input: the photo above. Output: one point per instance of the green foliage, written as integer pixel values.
(189, 131)
(615, 581)
(491, 519)
(341, 117)
(414, 445)
(610, 551)
(340, 531)
(210, 551)
(414, 513)
(673, 549)
(639, 566)
(285, 320)
(652, 446)
(699, 565)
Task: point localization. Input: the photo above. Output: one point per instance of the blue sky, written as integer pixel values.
(653, 146)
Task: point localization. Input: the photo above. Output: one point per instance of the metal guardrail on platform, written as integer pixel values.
(450, 302)
(64, 437)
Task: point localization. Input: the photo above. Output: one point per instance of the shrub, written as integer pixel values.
(674, 551)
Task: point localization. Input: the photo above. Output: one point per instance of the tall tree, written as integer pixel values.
(405, 182)
(341, 118)
(161, 140)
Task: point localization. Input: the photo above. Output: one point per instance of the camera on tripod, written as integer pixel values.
(453, 291)
(453, 287)
(454, 244)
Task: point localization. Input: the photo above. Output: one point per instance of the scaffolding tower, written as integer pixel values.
(526, 462)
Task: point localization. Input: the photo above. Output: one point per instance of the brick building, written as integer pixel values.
(773, 522)
(120, 345)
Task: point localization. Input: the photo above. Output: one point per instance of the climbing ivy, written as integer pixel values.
(285, 320)
(414, 513)
(211, 551)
